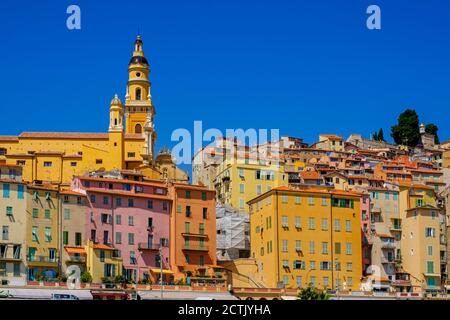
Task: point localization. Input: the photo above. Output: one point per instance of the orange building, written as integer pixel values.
(193, 232)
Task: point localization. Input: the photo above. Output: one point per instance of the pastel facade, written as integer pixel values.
(193, 231)
(239, 181)
(73, 230)
(13, 225)
(131, 217)
(304, 236)
(42, 236)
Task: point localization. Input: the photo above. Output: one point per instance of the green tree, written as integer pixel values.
(375, 136)
(380, 135)
(406, 131)
(311, 293)
(86, 277)
(432, 129)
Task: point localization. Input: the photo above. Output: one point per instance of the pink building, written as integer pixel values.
(133, 217)
(365, 232)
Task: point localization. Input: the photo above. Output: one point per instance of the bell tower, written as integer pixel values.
(139, 109)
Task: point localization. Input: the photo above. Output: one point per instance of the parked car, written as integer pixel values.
(58, 296)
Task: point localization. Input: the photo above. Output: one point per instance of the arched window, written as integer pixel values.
(138, 94)
(138, 128)
(115, 121)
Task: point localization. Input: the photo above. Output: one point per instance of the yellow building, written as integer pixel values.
(302, 236)
(102, 262)
(240, 180)
(56, 157)
(13, 226)
(42, 232)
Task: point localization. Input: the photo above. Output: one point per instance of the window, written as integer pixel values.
(205, 213)
(430, 232)
(164, 206)
(73, 164)
(187, 227)
(258, 189)
(188, 194)
(65, 238)
(127, 187)
(430, 250)
(241, 188)
(311, 223)
(98, 161)
(105, 200)
(34, 233)
(130, 202)
(284, 198)
(324, 201)
(188, 211)
(324, 224)
(78, 238)
(5, 233)
(286, 280)
(298, 245)
(348, 248)
(284, 222)
(298, 281)
(204, 196)
(132, 257)
(311, 201)
(106, 218)
(48, 234)
(179, 208)
(9, 211)
(66, 214)
(313, 281)
(118, 202)
(47, 163)
(6, 189)
(118, 219)
(324, 265)
(348, 226)
(102, 256)
(16, 270)
(138, 94)
(150, 204)
(337, 266)
(312, 247)
(299, 264)
(284, 246)
(337, 248)
(118, 237)
(337, 225)
(131, 238)
(349, 266)
(285, 263)
(324, 247)
(326, 281)
(297, 200)
(387, 196)
(201, 228)
(241, 204)
(20, 190)
(131, 154)
(47, 213)
(92, 198)
(298, 222)
(349, 281)
(130, 220)
(430, 267)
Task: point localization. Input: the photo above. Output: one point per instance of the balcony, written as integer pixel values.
(195, 248)
(396, 227)
(13, 258)
(76, 259)
(194, 235)
(149, 246)
(387, 259)
(387, 245)
(42, 260)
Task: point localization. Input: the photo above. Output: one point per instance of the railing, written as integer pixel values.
(387, 259)
(387, 245)
(396, 227)
(80, 259)
(42, 259)
(15, 257)
(149, 246)
(195, 247)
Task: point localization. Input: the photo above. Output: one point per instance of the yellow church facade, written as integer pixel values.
(56, 157)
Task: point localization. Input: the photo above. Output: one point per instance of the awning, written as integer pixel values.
(103, 247)
(164, 271)
(74, 250)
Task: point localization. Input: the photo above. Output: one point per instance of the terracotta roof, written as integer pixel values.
(9, 138)
(129, 194)
(309, 175)
(331, 136)
(160, 183)
(72, 193)
(422, 186)
(130, 136)
(426, 171)
(64, 135)
(192, 186)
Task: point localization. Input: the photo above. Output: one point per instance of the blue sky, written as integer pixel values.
(305, 67)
